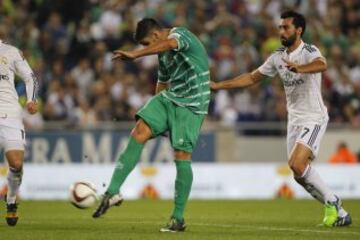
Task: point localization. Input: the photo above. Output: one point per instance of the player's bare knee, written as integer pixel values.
(182, 155)
(296, 166)
(15, 159)
(141, 132)
(16, 164)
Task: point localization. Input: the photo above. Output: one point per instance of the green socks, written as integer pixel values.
(184, 177)
(125, 164)
(129, 158)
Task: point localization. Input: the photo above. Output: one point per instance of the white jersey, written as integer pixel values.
(303, 90)
(12, 62)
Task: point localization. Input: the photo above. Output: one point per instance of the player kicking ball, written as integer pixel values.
(179, 106)
(12, 134)
(299, 65)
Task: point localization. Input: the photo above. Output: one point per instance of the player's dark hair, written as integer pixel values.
(298, 19)
(144, 27)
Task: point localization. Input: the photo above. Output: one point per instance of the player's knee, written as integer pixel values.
(142, 132)
(15, 159)
(16, 164)
(182, 155)
(297, 167)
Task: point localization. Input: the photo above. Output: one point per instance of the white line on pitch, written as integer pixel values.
(244, 227)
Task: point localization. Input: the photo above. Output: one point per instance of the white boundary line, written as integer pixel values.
(269, 228)
(250, 227)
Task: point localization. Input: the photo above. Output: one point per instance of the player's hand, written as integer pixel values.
(213, 85)
(32, 107)
(291, 65)
(124, 55)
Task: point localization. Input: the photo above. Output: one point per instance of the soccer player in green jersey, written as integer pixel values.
(179, 106)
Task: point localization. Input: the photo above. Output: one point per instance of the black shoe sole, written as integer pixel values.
(11, 221)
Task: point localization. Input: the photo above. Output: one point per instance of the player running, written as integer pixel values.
(179, 106)
(300, 66)
(12, 134)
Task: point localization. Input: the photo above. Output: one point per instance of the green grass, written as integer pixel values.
(277, 219)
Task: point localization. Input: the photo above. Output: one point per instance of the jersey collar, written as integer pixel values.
(297, 50)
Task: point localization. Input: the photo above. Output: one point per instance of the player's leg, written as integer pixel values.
(305, 149)
(184, 130)
(151, 122)
(130, 156)
(183, 183)
(15, 160)
(14, 146)
(307, 176)
(124, 165)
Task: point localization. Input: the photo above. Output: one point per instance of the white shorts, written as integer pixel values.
(12, 138)
(309, 135)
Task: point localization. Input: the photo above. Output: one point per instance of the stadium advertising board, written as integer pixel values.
(99, 146)
(211, 181)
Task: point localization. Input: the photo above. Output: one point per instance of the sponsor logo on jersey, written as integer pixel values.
(292, 83)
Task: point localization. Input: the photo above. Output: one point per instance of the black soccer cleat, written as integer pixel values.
(11, 215)
(343, 221)
(107, 201)
(174, 225)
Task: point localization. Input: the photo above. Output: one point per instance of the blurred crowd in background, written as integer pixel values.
(69, 46)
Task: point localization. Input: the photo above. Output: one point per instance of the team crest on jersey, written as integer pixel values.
(3, 60)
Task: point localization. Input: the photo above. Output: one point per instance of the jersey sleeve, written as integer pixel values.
(268, 67)
(23, 70)
(312, 52)
(182, 40)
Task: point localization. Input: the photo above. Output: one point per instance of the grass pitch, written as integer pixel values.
(276, 219)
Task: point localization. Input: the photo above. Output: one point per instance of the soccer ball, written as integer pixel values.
(83, 194)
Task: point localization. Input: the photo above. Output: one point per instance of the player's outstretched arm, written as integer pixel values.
(241, 81)
(317, 65)
(156, 48)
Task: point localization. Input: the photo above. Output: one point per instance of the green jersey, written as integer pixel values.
(186, 70)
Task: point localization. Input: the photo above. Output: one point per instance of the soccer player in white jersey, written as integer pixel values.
(12, 134)
(299, 65)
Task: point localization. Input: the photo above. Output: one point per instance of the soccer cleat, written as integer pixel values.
(107, 201)
(11, 215)
(174, 225)
(331, 215)
(343, 221)
(332, 220)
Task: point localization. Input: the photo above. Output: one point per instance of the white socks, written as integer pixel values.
(313, 180)
(14, 180)
(314, 185)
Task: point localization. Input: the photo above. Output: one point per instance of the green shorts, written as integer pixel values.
(162, 115)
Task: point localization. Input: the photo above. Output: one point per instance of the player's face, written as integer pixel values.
(288, 32)
(151, 39)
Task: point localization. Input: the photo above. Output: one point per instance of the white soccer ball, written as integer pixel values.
(83, 194)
